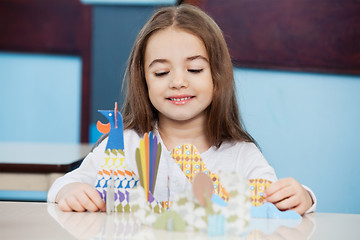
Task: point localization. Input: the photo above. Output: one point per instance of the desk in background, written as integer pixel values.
(23, 220)
(27, 170)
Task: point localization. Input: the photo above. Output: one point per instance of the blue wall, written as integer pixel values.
(308, 127)
(40, 97)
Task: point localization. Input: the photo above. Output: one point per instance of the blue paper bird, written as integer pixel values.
(114, 128)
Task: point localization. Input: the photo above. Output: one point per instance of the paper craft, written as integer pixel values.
(114, 178)
(147, 161)
(259, 209)
(170, 220)
(202, 188)
(189, 160)
(208, 207)
(231, 217)
(216, 225)
(257, 188)
(114, 128)
(269, 210)
(236, 212)
(204, 206)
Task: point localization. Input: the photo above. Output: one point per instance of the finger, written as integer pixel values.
(280, 195)
(86, 202)
(301, 209)
(96, 199)
(287, 203)
(64, 206)
(74, 203)
(276, 186)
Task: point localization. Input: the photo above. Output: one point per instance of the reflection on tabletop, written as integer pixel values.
(100, 225)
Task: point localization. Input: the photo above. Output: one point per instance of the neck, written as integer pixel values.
(175, 133)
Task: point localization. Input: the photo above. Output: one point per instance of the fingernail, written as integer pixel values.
(264, 195)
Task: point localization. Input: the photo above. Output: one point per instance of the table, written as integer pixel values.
(24, 220)
(27, 170)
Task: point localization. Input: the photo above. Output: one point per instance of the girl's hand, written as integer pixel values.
(79, 197)
(288, 194)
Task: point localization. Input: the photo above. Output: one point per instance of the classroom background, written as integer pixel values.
(305, 122)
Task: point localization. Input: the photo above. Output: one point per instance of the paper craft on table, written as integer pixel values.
(114, 178)
(189, 160)
(257, 189)
(259, 209)
(213, 201)
(147, 161)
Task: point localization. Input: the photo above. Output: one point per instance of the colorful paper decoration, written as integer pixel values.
(259, 209)
(114, 128)
(202, 187)
(236, 211)
(196, 210)
(189, 160)
(114, 178)
(147, 161)
(257, 187)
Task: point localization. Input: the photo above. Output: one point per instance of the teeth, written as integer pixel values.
(180, 99)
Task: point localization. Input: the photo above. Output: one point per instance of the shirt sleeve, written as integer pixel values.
(86, 173)
(312, 195)
(255, 164)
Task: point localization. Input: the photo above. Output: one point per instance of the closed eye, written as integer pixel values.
(195, 70)
(160, 74)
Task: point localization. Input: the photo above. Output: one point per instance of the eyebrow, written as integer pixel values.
(161, 60)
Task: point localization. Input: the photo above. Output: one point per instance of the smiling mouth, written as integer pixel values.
(180, 100)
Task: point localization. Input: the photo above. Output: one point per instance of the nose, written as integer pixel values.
(178, 81)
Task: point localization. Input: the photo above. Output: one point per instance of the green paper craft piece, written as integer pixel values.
(119, 208)
(170, 220)
(114, 152)
(127, 208)
(138, 163)
(182, 201)
(135, 208)
(208, 207)
(107, 151)
(121, 152)
(232, 218)
(233, 194)
(157, 209)
(147, 213)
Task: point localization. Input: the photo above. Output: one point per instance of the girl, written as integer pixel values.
(181, 87)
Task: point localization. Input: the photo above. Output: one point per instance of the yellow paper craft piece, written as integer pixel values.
(144, 168)
(188, 159)
(257, 187)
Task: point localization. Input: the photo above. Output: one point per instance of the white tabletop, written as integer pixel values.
(42, 153)
(21, 220)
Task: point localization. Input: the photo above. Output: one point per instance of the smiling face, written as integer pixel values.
(178, 75)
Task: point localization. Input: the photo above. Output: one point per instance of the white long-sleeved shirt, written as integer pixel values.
(242, 157)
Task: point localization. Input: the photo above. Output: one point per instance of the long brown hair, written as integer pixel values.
(223, 119)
